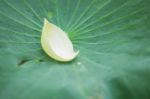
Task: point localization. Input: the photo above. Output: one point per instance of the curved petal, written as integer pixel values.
(56, 43)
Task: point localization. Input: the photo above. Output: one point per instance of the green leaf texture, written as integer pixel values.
(113, 37)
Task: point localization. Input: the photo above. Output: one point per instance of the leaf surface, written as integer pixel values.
(113, 37)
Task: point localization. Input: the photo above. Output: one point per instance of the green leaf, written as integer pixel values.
(112, 36)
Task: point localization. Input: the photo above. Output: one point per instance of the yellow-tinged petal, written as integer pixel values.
(56, 43)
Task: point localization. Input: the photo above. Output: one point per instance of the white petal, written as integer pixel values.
(56, 43)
